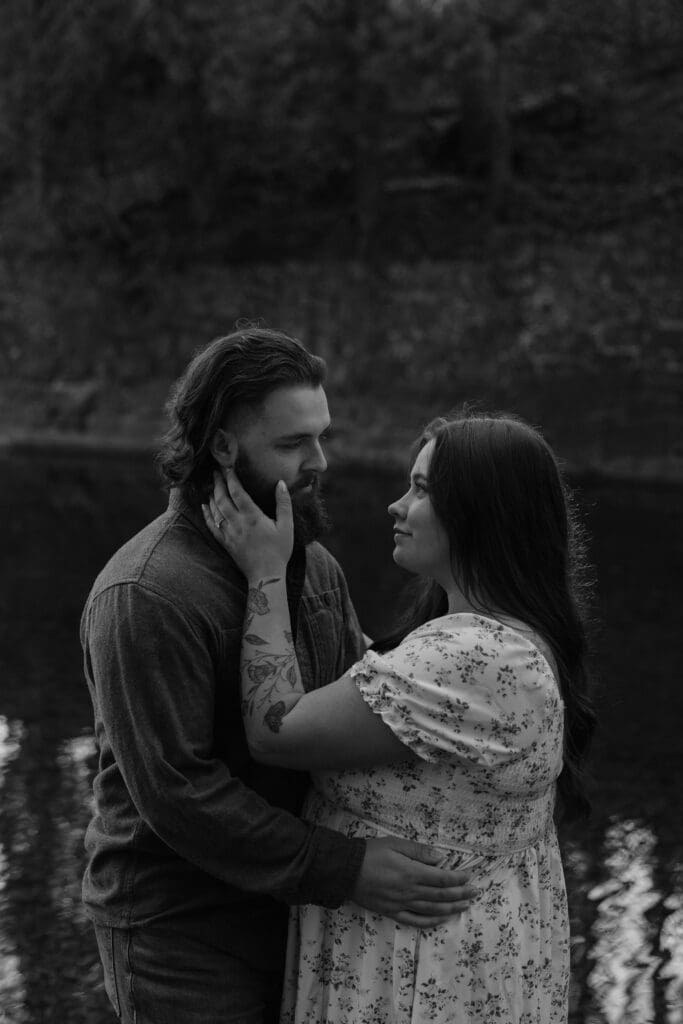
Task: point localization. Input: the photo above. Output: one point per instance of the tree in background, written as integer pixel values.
(388, 177)
(269, 128)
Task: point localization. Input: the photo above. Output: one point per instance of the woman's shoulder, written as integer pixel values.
(490, 639)
(461, 628)
(446, 640)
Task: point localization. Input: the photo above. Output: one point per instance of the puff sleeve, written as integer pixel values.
(478, 693)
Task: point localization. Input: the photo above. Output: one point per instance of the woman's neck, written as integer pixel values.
(457, 602)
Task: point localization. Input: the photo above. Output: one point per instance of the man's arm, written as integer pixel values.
(153, 679)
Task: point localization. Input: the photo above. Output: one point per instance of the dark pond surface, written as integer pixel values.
(62, 518)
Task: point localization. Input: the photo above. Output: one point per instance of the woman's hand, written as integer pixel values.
(259, 545)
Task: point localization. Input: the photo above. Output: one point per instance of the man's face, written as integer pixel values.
(284, 442)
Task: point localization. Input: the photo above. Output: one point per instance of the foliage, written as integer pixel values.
(292, 126)
(492, 189)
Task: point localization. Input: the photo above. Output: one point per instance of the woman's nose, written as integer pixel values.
(397, 508)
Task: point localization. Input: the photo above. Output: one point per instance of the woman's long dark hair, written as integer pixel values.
(517, 548)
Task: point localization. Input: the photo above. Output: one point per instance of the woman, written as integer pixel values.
(456, 732)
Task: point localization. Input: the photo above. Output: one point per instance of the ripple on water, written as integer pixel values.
(671, 943)
(12, 992)
(627, 943)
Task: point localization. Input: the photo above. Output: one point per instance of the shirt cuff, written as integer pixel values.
(335, 864)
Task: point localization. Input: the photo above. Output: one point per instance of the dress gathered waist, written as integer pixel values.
(539, 829)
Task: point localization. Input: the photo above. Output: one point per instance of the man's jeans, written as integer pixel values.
(154, 976)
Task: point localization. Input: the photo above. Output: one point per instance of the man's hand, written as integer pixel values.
(398, 879)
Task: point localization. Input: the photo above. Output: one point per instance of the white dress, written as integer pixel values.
(478, 702)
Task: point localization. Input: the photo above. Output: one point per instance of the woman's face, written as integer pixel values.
(421, 542)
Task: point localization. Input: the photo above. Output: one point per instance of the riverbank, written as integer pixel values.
(570, 334)
(342, 450)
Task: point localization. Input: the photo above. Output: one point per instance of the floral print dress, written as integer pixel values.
(477, 701)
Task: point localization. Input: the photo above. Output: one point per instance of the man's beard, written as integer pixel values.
(308, 509)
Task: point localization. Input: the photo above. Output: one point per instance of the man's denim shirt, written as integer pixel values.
(187, 829)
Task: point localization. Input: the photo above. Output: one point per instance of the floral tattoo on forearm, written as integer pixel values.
(271, 681)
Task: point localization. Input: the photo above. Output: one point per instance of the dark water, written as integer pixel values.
(62, 518)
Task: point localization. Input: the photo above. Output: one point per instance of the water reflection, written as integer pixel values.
(12, 993)
(74, 761)
(578, 865)
(10, 738)
(48, 966)
(622, 980)
(671, 942)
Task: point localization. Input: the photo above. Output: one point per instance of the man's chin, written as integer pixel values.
(310, 518)
(308, 509)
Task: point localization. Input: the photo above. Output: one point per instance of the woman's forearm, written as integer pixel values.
(270, 676)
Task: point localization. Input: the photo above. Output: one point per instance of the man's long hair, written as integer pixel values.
(232, 374)
(516, 546)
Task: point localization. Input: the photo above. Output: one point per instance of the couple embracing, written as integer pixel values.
(289, 826)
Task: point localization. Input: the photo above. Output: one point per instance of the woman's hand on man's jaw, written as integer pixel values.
(260, 546)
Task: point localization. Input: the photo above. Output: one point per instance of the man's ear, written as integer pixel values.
(224, 448)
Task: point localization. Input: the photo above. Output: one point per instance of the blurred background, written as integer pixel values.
(449, 200)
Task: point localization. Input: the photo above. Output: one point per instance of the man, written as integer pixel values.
(194, 849)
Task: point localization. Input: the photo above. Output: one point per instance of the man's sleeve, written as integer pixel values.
(154, 679)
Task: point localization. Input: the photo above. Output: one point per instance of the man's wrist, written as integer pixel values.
(334, 868)
(273, 572)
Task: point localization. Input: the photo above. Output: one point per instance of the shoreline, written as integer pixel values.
(654, 470)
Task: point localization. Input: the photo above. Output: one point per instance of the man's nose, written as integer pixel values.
(316, 460)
